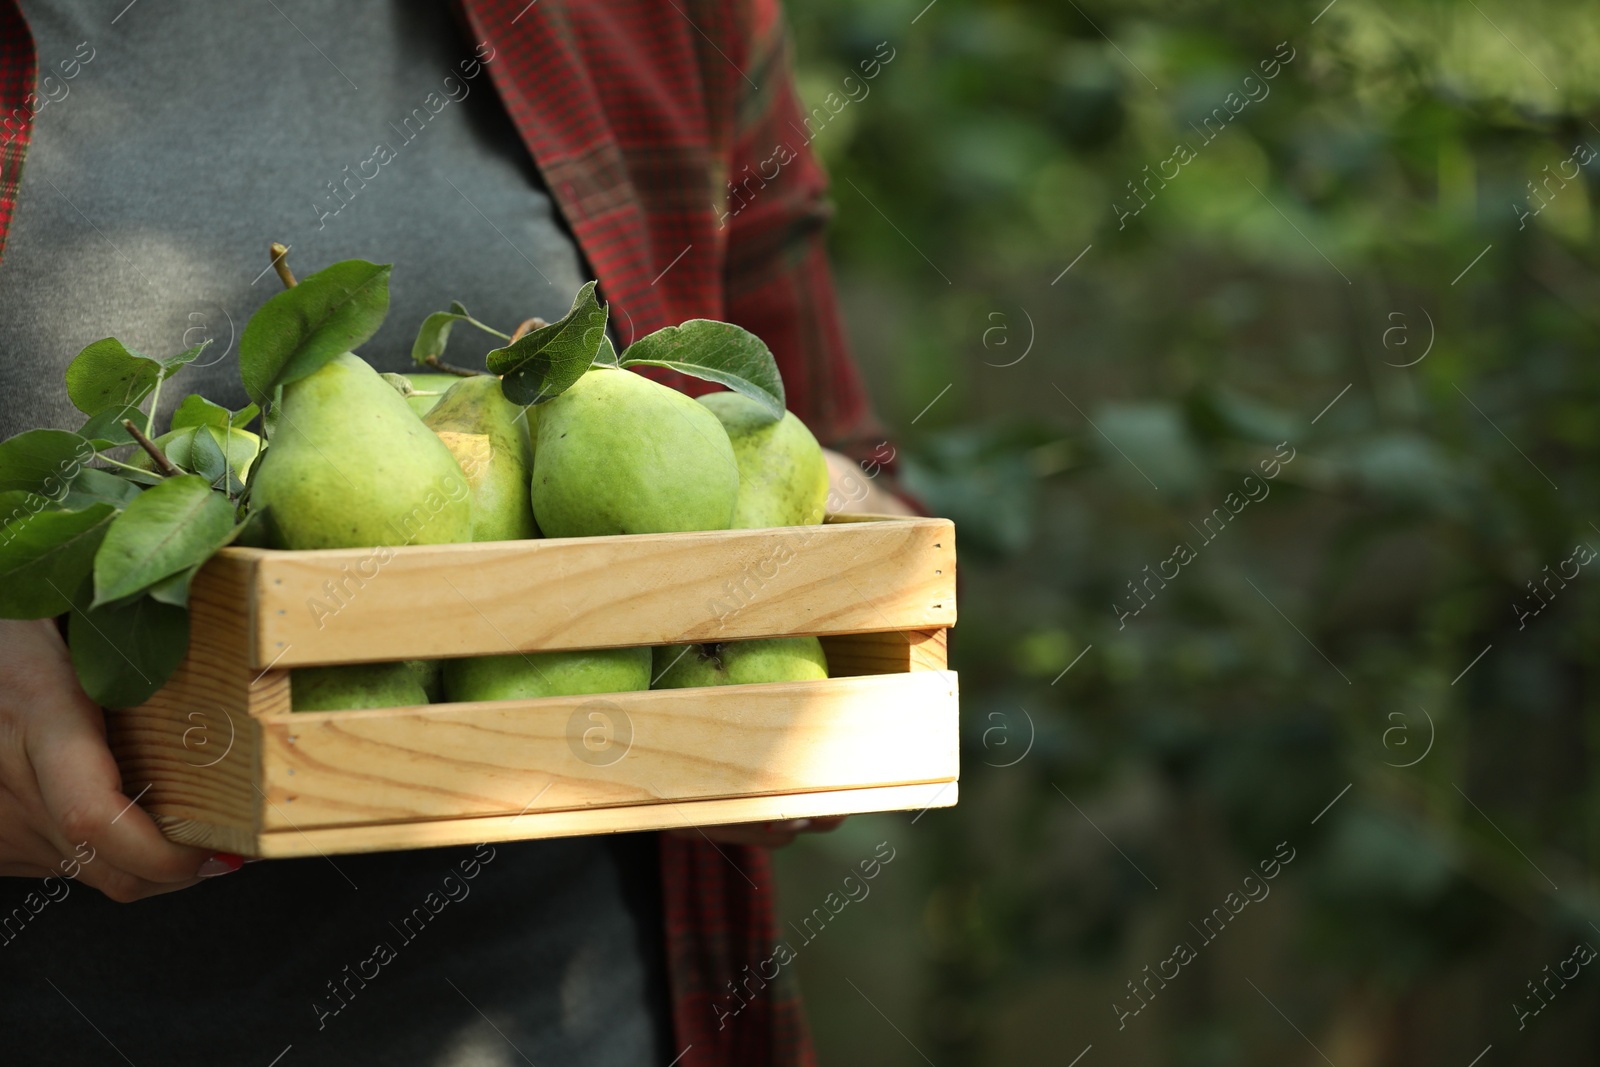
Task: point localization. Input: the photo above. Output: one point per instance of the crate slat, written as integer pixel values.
(334, 768)
(422, 602)
(286, 844)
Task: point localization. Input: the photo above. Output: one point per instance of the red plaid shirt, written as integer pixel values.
(643, 118)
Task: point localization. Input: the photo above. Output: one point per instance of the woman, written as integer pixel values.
(499, 153)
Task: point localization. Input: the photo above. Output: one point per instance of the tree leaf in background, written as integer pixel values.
(1408, 471)
(46, 553)
(545, 362)
(1148, 441)
(124, 653)
(196, 410)
(108, 373)
(42, 461)
(983, 479)
(717, 352)
(105, 428)
(170, 527)
(1218, 412)
(299, 330)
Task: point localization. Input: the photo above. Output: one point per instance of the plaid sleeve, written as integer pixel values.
(777, 280)
(18, 68)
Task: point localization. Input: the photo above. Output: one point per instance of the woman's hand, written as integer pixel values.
(852, 492)
(62, 809)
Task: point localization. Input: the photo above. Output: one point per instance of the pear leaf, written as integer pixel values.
(269, 421)
(175, 590)
(108, 373)
(173, 364)
(607, 354)
(168, 528)
(545, 362)
(15, 507)
(196, 410)
(42, 461)
(105, 429)
(123, 654)
(205, 456)
(253, 531)
(400, 382)
(435, 332)
(95, 486)
(140, 477)
(717, 352)
(43, 554)
(299, 330)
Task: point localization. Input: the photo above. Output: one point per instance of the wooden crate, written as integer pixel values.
(220, 761)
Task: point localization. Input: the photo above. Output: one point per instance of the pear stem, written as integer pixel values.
(449, 368)
(163, 464)
(528, 326)
(281, 264)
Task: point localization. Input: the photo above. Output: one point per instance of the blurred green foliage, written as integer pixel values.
(1352, 265)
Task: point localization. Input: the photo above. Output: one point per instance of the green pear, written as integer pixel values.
(350, 465)
(783, 477)
(769, 659)
(488, 435)
(240, 446)
(620, 454)
(363, 685)
(548, 674)
(430, 675)
(429, 389)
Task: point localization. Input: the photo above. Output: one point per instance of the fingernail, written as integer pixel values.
(219, 863)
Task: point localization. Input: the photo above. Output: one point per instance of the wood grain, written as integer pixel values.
(438, 833)
(195, 743)
(421, 602)
(890, 653)
(561, 753)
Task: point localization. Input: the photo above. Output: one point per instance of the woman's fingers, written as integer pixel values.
(91, 819)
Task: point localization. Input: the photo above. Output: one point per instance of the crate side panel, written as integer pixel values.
(332, 841)
(192, 752)
(667, 746)
(359, 605)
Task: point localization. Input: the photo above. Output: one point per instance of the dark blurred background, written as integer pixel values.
(1380, 661)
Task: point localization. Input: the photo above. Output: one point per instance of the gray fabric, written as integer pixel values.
(198, 132)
